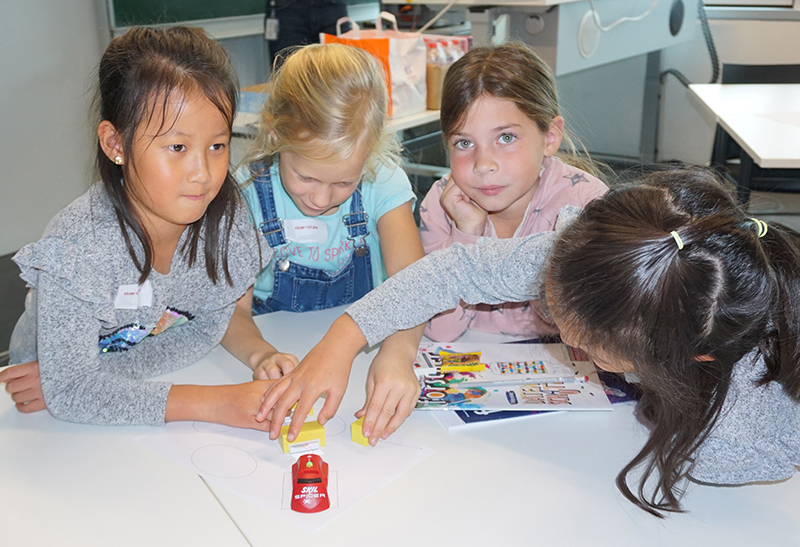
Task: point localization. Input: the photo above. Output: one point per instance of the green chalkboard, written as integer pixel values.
(149, 12)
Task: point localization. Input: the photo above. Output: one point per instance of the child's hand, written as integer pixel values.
(392, 393)
(233, 405)
(22, 382)
(275, 366)
(468, 216)
(320, 372)
(237, 405)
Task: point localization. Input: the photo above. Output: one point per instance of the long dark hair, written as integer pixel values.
(139, 72)
(683, 315)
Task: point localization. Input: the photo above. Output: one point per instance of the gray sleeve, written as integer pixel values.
(80, 385)
(173, 349)
(491, 272)
(757, 435)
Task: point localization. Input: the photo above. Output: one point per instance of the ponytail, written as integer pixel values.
(659, 273)
(781, 344)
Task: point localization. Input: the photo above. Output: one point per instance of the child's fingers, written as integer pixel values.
(332, 402)
(403, 411)
(273, 371)
(23, 396)
(18, 371)
(31, 406)
(268, 400)
(299, 417)
(288, 363)
(281, 409)
(380, 410)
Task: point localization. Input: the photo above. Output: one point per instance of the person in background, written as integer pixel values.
(300, 22)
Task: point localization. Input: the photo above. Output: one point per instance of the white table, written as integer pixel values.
(546, 480)
(763, 120)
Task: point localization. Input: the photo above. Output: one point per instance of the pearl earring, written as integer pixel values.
(118, 160)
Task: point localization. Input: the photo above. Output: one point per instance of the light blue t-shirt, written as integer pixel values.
(322, 242)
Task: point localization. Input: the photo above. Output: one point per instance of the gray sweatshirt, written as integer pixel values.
(757, 437)
(95, 340)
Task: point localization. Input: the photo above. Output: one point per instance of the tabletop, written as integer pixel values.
(537, 481)
(764, 119)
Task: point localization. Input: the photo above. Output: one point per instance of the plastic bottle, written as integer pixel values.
(435, 70)
(455, 46)
(436, 54)
(449, 55)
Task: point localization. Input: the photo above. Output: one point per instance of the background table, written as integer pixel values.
(545, 480)
(764, 121)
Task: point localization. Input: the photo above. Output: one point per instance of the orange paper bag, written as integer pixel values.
(402, 55)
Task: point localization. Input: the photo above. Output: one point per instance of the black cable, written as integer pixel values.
(678, 74)
(712, 51)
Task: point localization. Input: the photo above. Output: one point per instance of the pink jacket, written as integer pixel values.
(560, 185)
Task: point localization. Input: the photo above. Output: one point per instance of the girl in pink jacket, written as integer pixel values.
(500, 121)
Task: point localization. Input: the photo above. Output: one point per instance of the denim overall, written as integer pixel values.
(302, 288)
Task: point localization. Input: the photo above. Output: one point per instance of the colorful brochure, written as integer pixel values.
(521, 377)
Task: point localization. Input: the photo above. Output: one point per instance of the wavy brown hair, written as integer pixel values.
(513, 72)
(140, 72)
(621, 280)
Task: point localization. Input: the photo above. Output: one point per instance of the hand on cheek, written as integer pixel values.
(468, 215)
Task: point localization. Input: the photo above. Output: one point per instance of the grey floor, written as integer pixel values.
(12, 295)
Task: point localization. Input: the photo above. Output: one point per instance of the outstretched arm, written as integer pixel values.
(244, 341)
(491, 272)
(234, 405)
(324, 370)
(392, 387)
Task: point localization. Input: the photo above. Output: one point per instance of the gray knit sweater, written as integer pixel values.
(757, 437)
(93, 345)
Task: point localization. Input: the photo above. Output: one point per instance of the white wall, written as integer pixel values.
(50, 52)
(683, 133)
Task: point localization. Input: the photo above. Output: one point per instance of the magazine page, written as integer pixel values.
(527, 377)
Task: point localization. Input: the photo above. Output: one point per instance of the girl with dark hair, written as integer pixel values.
(669, 279)
(503, 130)
(154, 265)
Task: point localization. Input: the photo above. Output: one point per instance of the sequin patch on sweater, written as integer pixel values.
(124, 338)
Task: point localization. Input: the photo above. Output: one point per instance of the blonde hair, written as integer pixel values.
(512, 72)
(327, 101)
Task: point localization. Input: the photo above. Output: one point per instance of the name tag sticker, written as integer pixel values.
(306, 230)
(131, 297)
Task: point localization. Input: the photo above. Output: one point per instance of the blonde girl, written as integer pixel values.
(327, 193)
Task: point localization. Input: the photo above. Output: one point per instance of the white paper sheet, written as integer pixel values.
(248, 464)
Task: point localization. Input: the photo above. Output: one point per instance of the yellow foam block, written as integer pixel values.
(356, 434)
(310, 431)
